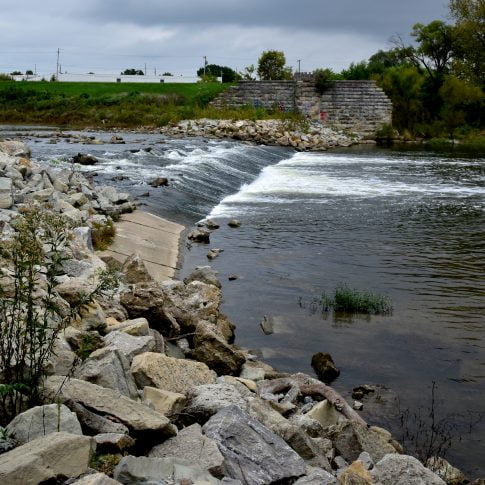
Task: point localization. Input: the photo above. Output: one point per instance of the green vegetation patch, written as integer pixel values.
(351, 300)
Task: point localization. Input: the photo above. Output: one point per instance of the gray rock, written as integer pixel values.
(267, 324)
(446, 471)
(206, 400)
(6, 200)
(366, 460)
(199, 236)
(403, 470)
(135, 271)
(129, 345)
(95, 479)
(134, 415)
(350, 439)
(137, 327)
(234, 223)
(7, 444)
(147, 300)
(15, 148)
(317, 477)
(108, 367)
(191, 445)
(41, 421)
(205, 274)
(165, 402)
(215, 352)
(113, 442)
(253, 454)
(93, 423)
(47, 458)
(159, 471)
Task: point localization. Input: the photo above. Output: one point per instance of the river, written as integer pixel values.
(405, 223)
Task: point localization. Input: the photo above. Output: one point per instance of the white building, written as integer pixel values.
(113, 78)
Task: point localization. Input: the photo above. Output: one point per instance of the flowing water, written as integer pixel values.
(406, 224)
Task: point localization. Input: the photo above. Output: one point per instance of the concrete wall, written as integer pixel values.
(357, 106)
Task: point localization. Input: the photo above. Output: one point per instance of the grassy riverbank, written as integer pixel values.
(126, 105)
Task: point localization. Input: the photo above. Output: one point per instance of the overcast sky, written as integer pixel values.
(173, 35)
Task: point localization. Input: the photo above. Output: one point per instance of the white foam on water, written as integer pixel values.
(318, 176)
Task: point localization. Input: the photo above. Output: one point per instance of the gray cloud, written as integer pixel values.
(110, 35)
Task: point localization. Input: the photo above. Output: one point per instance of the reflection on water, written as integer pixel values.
(409, 225)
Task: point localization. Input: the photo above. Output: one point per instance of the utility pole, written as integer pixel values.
(205, 65)
(57, 65)
(299, 69)
(145, 68)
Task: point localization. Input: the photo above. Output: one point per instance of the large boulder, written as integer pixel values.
(192, 303)
(134, 270)
(128, 345)
(107, 402)
(15, 148)
(403, 470)
(312, 450)
(175, 375)
(93, 423)
(350, 439)
(164, 402)
(108, 367)
(41, 421)
(206, 400)
(205, 274)
(191, 445)
(138, 470)
(138, 327)
(147, 300)
(252, 453)
(46, 459)
(211, 348)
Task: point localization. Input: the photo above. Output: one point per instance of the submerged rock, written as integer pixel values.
(325, 367)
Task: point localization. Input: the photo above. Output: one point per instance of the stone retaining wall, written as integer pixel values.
(357, 106)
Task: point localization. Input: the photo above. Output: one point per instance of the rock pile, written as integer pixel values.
(163, 395)
(301, 136)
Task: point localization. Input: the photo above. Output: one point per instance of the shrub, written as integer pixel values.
(30, 314)
(350, 300)
(324, 79)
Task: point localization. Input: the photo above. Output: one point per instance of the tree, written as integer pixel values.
(167, 74)
(271, 66)
(462, 103)
(356, 71)
(29, 72)
(403, 85)
(324, 79)
(434, 50)
(228, 75)
(248, 73)
(132, 72)
(469, 60)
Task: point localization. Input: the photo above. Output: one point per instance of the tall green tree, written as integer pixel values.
(435, 47)
(469, 59)
(272, 66)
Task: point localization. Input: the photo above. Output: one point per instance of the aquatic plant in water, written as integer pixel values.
(351, 300)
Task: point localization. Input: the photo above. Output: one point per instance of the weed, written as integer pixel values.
(89, 343)
(105, 463)
(350, 300)
(103, 234)
(31, 317)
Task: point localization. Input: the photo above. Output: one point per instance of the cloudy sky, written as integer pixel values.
(107, 36)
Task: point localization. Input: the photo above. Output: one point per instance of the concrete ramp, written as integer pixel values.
(156, 240)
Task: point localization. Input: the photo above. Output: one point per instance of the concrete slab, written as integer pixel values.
(156, 240)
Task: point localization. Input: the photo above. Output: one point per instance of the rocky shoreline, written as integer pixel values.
(307, 135)
(146, 385)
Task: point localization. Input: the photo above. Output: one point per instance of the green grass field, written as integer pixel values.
(105, 104)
